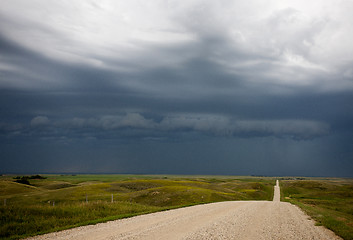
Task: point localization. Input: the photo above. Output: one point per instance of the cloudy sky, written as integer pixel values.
(179, 87)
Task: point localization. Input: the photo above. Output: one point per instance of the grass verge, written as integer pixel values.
(328, 201)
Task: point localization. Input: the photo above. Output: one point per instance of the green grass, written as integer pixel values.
(328, 201)
(30, 210)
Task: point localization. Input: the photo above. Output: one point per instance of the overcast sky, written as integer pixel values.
(177, 87)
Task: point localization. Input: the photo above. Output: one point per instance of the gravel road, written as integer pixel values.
(223, 220)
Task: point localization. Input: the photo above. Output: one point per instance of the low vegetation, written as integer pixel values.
(328, 201)
(54, 202)
(25, 179)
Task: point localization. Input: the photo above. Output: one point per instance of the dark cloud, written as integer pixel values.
(182, 91)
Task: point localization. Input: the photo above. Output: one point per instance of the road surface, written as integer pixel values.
(248, 220)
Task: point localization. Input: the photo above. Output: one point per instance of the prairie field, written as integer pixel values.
(32, 205)
(328, 201)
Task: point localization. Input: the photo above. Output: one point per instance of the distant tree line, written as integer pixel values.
(25, 179)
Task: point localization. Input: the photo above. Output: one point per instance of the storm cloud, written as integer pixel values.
(188, 87)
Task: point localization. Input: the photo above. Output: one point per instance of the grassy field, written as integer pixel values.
(328, 201)
(65, 201)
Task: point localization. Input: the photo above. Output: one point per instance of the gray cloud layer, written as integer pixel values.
(208, 124)
(172, 73)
